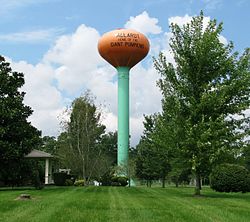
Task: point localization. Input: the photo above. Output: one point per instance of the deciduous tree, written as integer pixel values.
(211, 85)
(80, 149)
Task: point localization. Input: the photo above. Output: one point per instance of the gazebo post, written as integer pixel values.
(47, 171)
(50, 172)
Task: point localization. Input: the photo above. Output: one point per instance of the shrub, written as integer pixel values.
(230, 178)
(36, 181)
(79, 183)
(119, 181)
(71, 177)
(114, 179)
(123, 181)
(106, 179)
(60, 178)
(115, 184)
(69, 182)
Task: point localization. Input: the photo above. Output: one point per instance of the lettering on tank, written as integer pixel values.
(127, 40)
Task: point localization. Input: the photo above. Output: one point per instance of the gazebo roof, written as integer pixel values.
(38, 154)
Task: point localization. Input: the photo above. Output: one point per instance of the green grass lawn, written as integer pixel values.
(123, 204)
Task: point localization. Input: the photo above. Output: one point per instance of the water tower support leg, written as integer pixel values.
(123, 117)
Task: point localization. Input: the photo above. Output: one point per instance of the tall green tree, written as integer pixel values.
(108, 145)
(49, 144)
(152, 160)
(244, 158)
(80, 148)
(17, 136)
(211, 85)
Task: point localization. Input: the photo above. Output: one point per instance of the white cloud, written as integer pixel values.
(110, 121)
(42, 35)
(44, 98)
(143, 23)
(180, 20)
(136, 129)
(187, 19)
(77, 57)
(223, 40)
(145, 95)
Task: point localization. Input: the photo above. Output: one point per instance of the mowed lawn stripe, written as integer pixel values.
(126, 206)
(88, 204)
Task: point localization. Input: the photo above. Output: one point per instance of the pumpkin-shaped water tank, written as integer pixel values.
(123, 47)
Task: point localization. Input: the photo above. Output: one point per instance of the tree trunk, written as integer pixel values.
(176, 184)
(197, 184)
(163, 182)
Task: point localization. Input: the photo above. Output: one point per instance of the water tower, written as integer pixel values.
(123, 49)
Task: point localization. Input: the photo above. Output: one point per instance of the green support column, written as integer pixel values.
(123, 116)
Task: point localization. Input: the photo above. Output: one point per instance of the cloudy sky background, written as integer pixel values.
(54, 43)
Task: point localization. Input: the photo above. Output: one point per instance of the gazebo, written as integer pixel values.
(38, 154)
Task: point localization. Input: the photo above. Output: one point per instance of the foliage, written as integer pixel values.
(123, 181)
(119, 181)
(17, 136)
(152, 158)
(230, 178)
(49, 145)
(106, 178)
(208, 86)
(108, 145)
(246, 156)
(79, 183)
(37, 181)
(69, 182)
(180, 176)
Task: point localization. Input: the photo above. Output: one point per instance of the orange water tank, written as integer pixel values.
(123, 47)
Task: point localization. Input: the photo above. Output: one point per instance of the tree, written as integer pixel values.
(80, 149)
(17, 136)
(152, 159)
(49, 144)
(108, 144)
(244, 158)
(211, 86)
(169, 132)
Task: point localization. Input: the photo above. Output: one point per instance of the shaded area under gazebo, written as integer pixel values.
(38, 154)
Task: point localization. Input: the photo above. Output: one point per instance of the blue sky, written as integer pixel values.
(54, 43)
(63, 16)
